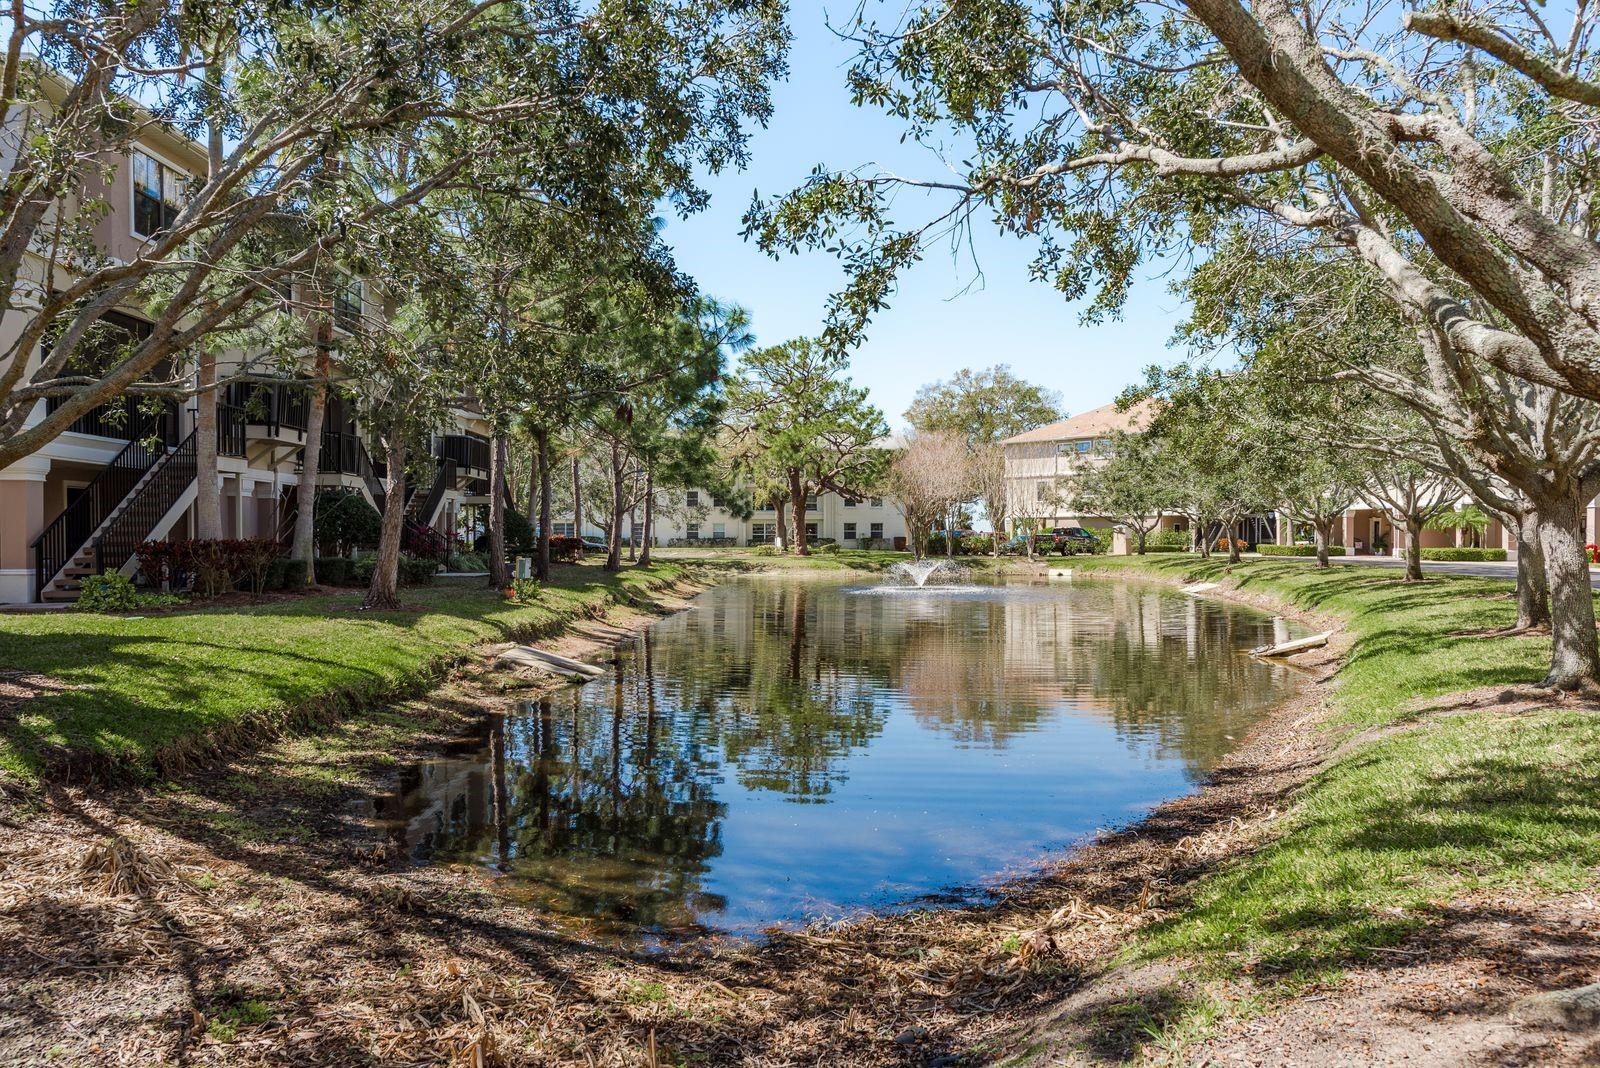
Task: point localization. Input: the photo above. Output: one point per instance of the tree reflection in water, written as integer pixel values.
(927, 741)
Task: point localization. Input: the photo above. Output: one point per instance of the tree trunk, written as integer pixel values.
(797, 496)
(541, 440)
(383, 593)
(950, 536)
(1139, 541)
(305, 547)
(781, 534)
(1322, 532)
(1413, 548)
(1533, 585)
(614, 535)
(649, 515)
(207, 492)
(1233, 544)
(536, 476)
(633, 534)
(1574, 654)
(499, 573)
(577, 499)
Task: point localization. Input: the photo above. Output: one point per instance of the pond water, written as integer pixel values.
(790, 751)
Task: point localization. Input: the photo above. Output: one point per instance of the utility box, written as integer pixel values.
(524, 567)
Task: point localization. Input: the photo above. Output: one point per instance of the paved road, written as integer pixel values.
(1479, 569)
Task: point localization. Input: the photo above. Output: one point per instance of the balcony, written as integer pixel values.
(272, 410)
(469, 451)
(125, 419)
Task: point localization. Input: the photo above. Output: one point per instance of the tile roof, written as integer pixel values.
(1096, 422)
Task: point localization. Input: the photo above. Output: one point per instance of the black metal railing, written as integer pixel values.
(230, 430)
(131, 525)
(274, 407)
(288, 514)
(343, 453)
(467, 450)
(126, 419)
(422, 509)
(67, 534)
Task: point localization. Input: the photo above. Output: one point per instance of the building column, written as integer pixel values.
(1349, 532)
(1285, 529)
(21, 519)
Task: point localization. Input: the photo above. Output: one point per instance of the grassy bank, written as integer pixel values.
(1428, 798)
(137, 693)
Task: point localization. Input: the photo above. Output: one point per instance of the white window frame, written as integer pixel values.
(183, 177)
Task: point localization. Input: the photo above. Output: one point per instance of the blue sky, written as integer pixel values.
(932, 327)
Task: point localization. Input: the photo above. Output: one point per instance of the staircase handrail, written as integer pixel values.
(66, 535)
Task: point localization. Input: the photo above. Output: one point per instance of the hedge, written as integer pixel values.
(1298, 550)
(1452, 552)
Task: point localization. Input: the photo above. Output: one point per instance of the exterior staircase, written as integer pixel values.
(138, 496)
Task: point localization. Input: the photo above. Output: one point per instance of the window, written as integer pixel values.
(851, 502)
(1041, 491)
(1084, 446)
(811, 502)
(718, 502)
(1063, 448)
(765, 507)
(849, 532)
(719, 530)
(692, 498)
(347, 303)
(157, 195)
(762, 532)
(1102, 445)
(692, 531)
(877, 532)
(562, 530)
(811, 532)
(877, 502)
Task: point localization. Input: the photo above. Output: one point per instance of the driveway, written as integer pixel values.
(1478, 569)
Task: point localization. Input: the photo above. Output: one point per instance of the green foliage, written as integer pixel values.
(1162, 540)
(983, 407)
(467, 562)
(412, 570)
(520, 538)
(1461, 552)
(346, 521)
(336, 571)
(1470, 518)
(110, 592)
(523, 590)
(1296, 550)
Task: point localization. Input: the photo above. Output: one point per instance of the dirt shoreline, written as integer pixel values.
(249, 917)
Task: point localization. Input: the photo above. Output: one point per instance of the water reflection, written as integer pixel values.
(789, 750)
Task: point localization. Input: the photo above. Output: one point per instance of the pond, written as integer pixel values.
(787, 751)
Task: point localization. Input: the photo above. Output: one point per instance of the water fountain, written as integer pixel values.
(918, 572)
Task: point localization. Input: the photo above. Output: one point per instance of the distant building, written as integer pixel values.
(695, 516)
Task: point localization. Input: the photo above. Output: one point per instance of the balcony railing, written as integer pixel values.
(275, 407)
(343, 454)
(230, 430)
(467, 450)
(125, 419)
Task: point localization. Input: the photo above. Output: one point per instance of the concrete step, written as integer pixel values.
(59, 596)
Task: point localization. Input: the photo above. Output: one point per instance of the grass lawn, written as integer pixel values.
(138, 690)
(1429, 809)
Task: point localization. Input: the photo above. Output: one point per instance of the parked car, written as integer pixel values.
(595, 545)
(1064, 540)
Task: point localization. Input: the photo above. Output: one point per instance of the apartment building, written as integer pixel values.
(127, 472)
(698, 517)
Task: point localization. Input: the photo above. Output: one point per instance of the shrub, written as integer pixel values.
(1221, 545)
(294, 575)
(1163, 540)
(827, 548)
(1461, 552)
(417, 570)
(522, 590)
(1296, 550)
(412, 570)
(520, 537)
(335, 570)
(110, 592)
(345, 521)
(1164, 548)
(467, 562)
(252, 558)
(565, 549)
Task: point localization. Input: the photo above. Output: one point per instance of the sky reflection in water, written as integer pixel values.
(793, 750)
